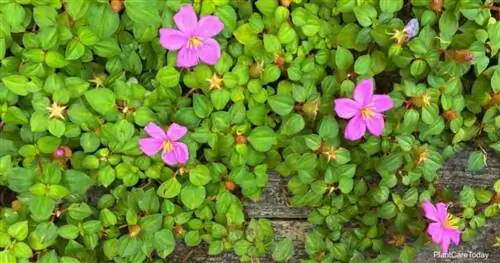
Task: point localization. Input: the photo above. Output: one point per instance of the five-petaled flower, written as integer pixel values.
(409, 31)
(445, 226)
(365, 111)
(174, 152)
(193, 39)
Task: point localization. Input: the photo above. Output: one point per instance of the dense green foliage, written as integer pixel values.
(81, 78)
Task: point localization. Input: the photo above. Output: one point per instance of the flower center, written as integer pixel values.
(451, 222)
(194, 42)
(399, 36)
(367, 113)
(167, 146)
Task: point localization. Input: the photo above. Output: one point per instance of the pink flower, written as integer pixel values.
(444, 228)
(365, 111)
(193, 39)
(173, 151)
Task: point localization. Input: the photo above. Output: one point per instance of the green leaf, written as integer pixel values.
(68, 231)
(245, 35)
(169, 189)
(283, 250)
(7, 257)
(74, 50)
(19, 230)
(106, 175)
(271, 43)
(281, 104)
(266, 7)
(168, 77)
(365, 14)
(142, 12)
(21, 250)
(164, 241)
(286, 34)
(202, 106)
(54, 59)
(193, 196)
(262, 138)
(199, 175)
(391, 6)
(476, 161)
(101, 100)
(48, 144)
(14, 115)
(17, 84)
(293, 124)
(57, 127)
(102, 20)
(407, 254)
(343, 58)
(41, 207)
(77, 8)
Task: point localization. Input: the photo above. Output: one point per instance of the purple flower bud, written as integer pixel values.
(411, 29)
(60, 152)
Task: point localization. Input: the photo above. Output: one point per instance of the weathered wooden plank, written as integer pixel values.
(291, 222)
(454, 174)
(274, 202)
(482, 243)
(295, 229)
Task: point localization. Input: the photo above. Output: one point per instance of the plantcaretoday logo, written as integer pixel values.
(461, 255)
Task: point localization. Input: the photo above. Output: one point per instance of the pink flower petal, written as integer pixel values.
(382, 103)
(346, 108)
(375, 124)
(155, 131)
(209, 51)
(442, 211)
(454, 236)
(169, 157)
(436, 232)
(186, 19)
(181, 152)
(187, 58)
(172, 39)
(364, 91)
(176, 131)
(430, 211)
(150, 146)
(209, 26)
(355, 128)
(445, 243)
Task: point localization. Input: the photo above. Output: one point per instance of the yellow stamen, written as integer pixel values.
(167, 146)
(215, 82)
(367, 113)
(194, 42)
(399, 36)
(451, 222)
(56, 111)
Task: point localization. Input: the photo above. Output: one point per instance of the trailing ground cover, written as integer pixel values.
(127, 127)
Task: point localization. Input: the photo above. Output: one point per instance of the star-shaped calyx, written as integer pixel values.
(215, 81)
(56, 111)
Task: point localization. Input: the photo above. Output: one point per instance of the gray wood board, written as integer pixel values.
(292, 222)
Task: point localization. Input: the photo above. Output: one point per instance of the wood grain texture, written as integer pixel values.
(292, 222)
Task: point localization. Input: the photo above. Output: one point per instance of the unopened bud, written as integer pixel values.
(286, 3)
(450, 115)
(134, 230)
(117, 5)
(436, 5)
(256, 70)
(241, 139)
(229, 185)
